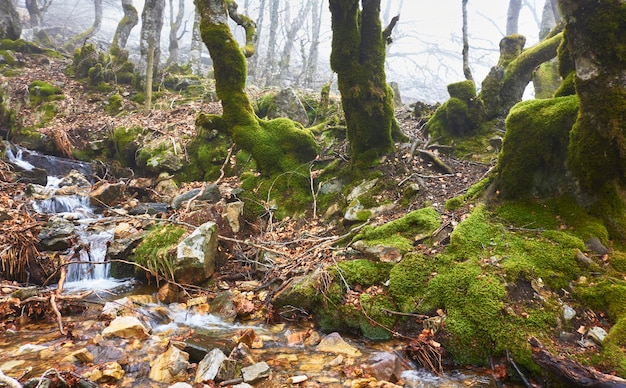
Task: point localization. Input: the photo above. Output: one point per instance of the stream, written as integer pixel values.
(31, 349)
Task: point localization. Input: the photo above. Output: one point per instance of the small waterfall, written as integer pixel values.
(92, 241)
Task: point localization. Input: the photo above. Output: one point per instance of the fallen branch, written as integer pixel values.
(9, 381)
(572, 373)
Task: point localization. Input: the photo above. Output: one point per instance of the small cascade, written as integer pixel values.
(73, 205)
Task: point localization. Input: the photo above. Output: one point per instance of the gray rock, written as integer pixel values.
(386, 366)
(361, 189)
(387, 254)
(595, 245)
(195, 255)
(256, 372)
(288, 104)
(57, 234)
(223, 306)
(211, 194)
(597, 334)
(210, 365)
(151, 208)
(568, 313)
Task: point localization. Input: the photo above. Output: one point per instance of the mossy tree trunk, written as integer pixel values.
(91, 31)
(34, 13)
(125, 26)
(595, 37)
(278, 145)
(10, 27)
(358, 58)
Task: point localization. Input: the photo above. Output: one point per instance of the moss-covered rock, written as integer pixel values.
(157, 250)
(42, 91)
(161, 154)
(460, 116)
(125, 144)
(535, 146)
(408, 280)
(363, 272)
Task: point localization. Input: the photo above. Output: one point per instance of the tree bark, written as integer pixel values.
(270, 58)
(10, 27)
(151, 27)
(34, 13)
(195, 54)
(467, 72)
(126, 25)
(91, 31)
(278, 145)
(311, 68)
(512, 17)
(296, 24)
(175, 23)
(358, 58)
(594, 35)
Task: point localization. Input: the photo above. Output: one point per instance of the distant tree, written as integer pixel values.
(290, 35)
(126, 25)
(10, 27)
(277, 145)
(175, 24)
(195, 53)
(269, 64)
(150, 43)
(512, 17)
(467, 71)
(358, 58)
(310, 70)
(91, 31)
(34, 13)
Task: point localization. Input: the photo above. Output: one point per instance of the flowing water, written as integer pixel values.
(33, 348)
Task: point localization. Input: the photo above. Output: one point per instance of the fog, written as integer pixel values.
(424, 57)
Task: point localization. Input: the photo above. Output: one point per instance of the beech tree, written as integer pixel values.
(125, 26)
(277, 145)
(10, 27)
(175, 24)
(358, 58)
(91, 31)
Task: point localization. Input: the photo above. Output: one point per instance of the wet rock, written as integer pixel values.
(111, 310)
(195, 255)
(211, 194)
(333, 343)
(300, 292)
(386, 366)
(256, 372)
(57, 234)
(168, 293)
(126, 327)
(242, 354)
(104, 354)
(29, 349)
(107, 194)
(74, 179)
(83, 355)
(232, 213)
(37, 176)
(169, 365)
(111, 371)
(210, 365)
(286, 103)
(151, 208)
(223, 306)
(297, 379)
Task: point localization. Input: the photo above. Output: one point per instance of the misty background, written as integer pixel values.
(424, 57)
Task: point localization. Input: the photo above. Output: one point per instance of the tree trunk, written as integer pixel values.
(311, 69)
(126, 25)
(195, 53)
(285, 58)
(512, 17)
(175, 23)
(253, 71)
(546, 78)
(34, 13)
(90, 32)
(594, 35)
(467, 72)
(10, 27)
(358, 58)
(270, 58)
(151, 26)
(277, 145)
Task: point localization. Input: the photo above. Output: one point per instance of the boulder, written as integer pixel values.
(211, 194)
(126, 327)
(195, 255)
(161, 154)
(286, 103)
(107, 194)
(10, 26)
(210, 365)
(57, 234)
(151, 208)
(333, 343)
(256, 372)
(169, 365)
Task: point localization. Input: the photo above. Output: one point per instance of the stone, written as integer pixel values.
(169, 365)
(597, 334)
(74, 178)
(151, 208)
(361, 189)
(286, 103)
(168, 293)
(595, 245)
(111, 372)
(107, 194)
(104, 354)
(126, 327)
(256, 372)
(111, 310)
(210, 365)
(387, 254)
(333, 343)
(57, 234)
(233, 212)
(568, 313)
(386, 366)
(30, 348)
(211, 194)
(195, 255)
(83, 355)
(297, 379)
(356, 212)
(161, 154)
(223, 306)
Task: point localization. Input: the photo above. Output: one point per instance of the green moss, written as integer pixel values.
(42, 91)
(155, 251)
(546, 80)
(401, 232)
(617, 260)
(114, 105)
(21, 46)
(378, 324)
(126, 142)
(408, 280)
(567, 87)
(138, 98)
(364, 272)
(464, 90)
(535, 146)
(475, 234)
